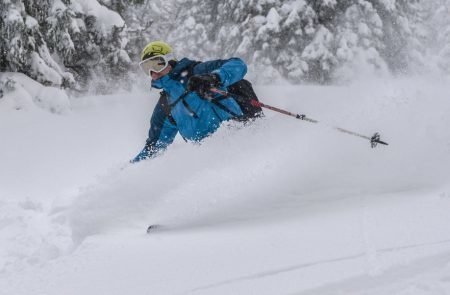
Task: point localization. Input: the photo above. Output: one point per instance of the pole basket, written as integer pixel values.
(376, 140)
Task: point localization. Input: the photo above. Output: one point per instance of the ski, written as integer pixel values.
(153, 227)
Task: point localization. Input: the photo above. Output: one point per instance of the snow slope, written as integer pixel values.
(278, 207)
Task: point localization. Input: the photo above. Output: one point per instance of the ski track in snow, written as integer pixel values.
(428, 262)
(384, 211)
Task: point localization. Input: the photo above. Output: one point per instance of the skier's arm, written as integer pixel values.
(161, 134)
(229, 71)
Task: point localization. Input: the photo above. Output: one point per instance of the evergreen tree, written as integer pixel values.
(190, 36)
(13, 37)
(57, 43)
(440, 35)
(68, 43)
(359, 38)
(403, 32)
(25, 46)
(148, 21)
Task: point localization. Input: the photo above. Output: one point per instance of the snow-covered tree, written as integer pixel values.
(189, 37)
(439, 27)
(13, 37)
(68, 43)
(359, 39)
(64, 43)
(148, 21)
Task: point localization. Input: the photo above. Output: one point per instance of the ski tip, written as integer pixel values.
(153, 227)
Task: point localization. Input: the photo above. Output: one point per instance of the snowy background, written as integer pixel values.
(278, 207)
(93, 46)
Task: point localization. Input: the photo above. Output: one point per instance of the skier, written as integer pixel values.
(186, 104)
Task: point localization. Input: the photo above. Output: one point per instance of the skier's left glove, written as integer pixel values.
(203, 83)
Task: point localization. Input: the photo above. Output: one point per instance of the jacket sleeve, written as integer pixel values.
(162, 132)
(229, 70)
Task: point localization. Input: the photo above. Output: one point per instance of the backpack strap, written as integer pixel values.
(216, 102)
(184, 73)
(186, 105)
(183, 76)
(188, 72)
(167, 108)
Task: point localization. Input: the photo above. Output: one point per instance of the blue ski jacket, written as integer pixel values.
(192, 116)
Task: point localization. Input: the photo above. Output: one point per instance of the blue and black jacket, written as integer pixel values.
(189, 114)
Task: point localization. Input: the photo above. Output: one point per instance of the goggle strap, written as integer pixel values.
(167, 57)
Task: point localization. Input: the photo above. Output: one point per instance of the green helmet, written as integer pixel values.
(155, 48)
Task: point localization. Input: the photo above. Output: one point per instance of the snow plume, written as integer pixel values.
(32, 236)
(191, 185)
(203, 183)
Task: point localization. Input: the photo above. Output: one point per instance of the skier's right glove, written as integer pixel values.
(144, 154)
(203, 83)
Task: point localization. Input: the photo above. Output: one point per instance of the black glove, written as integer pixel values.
(203, 83)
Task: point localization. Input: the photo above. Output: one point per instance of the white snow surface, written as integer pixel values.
(278, 207)
(28, 94)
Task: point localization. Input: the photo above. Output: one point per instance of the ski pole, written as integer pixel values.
(374, 140)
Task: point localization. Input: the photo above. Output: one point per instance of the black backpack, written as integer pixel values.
(242, 91)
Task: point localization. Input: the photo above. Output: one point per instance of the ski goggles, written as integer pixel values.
(155, 63)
